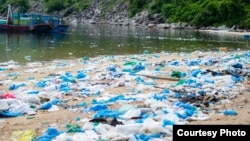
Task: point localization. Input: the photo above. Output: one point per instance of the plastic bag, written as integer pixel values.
(8, 95)
(45, 106)
(48, 135)
(230, 112)
(23, 136)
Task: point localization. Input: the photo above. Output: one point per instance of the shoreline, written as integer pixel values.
(226, 32)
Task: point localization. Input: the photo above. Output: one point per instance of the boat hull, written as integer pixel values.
(15, 28)
(59, 29)
(41, 28)
(25, 28)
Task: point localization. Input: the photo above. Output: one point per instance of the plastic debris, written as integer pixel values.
(8, 95)
(9, 114)
(98, 107)
(73, 128)
(106, 114)
(50, 134)
(16, 86)
(132, 98)
(167, 122)
(45, 106)
(28, 135)
(230, 112)
(178, 74)
(80, 74)
(28, 57)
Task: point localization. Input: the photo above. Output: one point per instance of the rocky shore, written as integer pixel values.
(118, 15)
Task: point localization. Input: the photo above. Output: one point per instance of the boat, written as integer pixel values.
(55, 23)
(37, 23)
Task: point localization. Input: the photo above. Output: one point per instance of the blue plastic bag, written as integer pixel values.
(9, 114)
(80, 74)
(48, 135)
(45, 106)
(98, 107)
(230, 112)
(167, 122)
(107, 114)
(147, 137)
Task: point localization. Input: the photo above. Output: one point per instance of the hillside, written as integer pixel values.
(190, 13)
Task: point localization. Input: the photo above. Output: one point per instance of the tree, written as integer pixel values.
(54, 5)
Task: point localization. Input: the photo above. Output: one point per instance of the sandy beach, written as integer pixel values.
(114, 81)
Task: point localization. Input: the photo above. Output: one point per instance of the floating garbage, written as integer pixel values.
(28, 57)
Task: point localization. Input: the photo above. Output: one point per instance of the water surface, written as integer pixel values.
(94, 40)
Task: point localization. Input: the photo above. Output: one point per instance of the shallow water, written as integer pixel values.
(94, 40)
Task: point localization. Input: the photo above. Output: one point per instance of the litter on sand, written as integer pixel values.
(132, 98)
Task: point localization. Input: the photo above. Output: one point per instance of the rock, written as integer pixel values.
(164, 26)
(73, 22)
(176, 26)
(68, 11)
(223, 27)
(92, 22)
(125, 23)
(151, 25)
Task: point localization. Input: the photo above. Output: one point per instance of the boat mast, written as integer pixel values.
(9, 15)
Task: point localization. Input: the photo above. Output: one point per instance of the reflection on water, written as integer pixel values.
(17, 46)
(93, 40)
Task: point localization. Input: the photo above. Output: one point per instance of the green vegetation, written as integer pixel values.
(108, 5)
(194, 12)
(58, 5)
(198, 12)
(55, 5)
(137, 6)
(22, 5)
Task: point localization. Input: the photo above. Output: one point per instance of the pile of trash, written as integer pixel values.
(157, 94)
